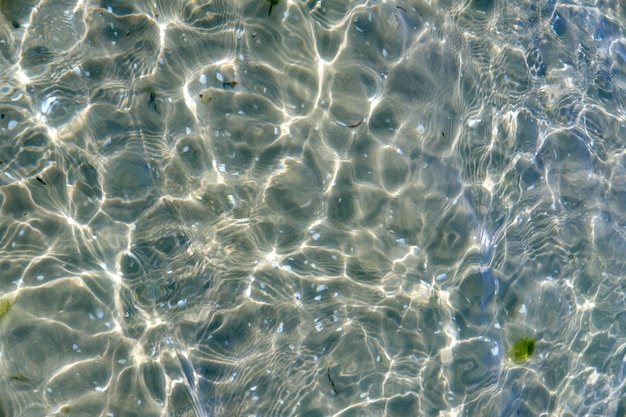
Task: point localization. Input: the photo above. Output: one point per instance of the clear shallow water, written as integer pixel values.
(333, 209)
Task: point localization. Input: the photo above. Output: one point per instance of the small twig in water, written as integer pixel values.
(334, 390)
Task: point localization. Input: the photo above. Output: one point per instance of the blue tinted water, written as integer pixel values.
(346, 208)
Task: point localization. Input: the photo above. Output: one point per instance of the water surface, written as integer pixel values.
(326, 208)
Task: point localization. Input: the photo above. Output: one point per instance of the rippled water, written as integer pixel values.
(312, 208)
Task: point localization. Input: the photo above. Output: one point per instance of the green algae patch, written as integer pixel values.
(5, 306)
(522, 350)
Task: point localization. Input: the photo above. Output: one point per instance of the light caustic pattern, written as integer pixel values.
(329, 208)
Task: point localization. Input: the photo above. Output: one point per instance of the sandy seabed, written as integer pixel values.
(331, 208)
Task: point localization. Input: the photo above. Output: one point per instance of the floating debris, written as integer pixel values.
(153, 102)
(229, 85)
(522, 350)
(19, 377)
(5, 306)
(272, 4)
(205, 97)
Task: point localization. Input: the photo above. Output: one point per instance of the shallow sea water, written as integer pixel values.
(316, 208)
